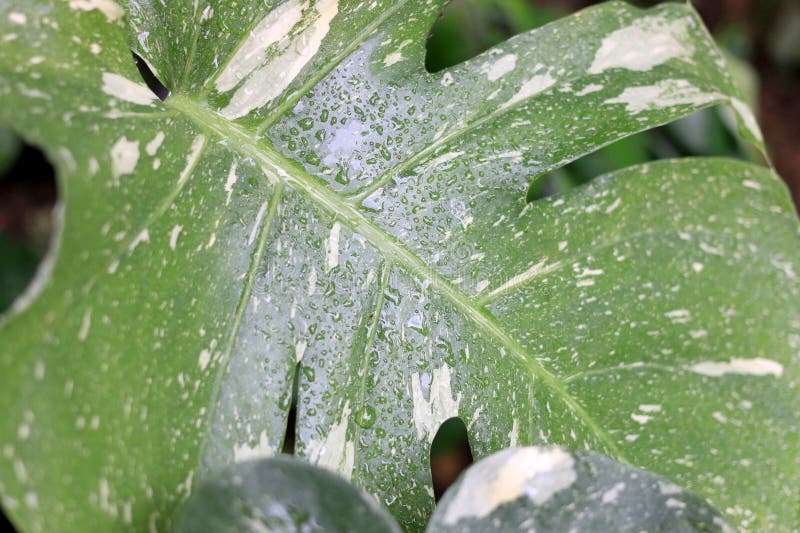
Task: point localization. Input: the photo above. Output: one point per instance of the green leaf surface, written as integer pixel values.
(310, 204)
(281, 495)
(17, 266)
(550, 490)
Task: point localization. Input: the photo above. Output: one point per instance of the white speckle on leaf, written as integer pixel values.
(312, 281)
(173, 236)
(124, 157)
(86, 324)
(391, 59)
(535, 473)
(750, 184)
(513, 435)
(678, 316)
(752, 367)
(668, 489)
(31, 500)
(672, 503)
(332, 247)
(143, 236)
(664, 94)
(641, 419)
(334, 451)
(231, 181)
(501, 67)
(245, 452)
(650, 408)
(269, 80)
(195, 152)
(15, 17)
(38, 370)
(440, 405)
(440, 160)
(257, 223)
(125, 89)
(300, 350)
(530, 88)
(611, 494)
(648, 42)
(539, 269)
(110, 9)
(153, 146)
(589, 89)
(204, 359)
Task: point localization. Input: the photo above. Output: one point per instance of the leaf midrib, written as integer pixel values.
(293, 175)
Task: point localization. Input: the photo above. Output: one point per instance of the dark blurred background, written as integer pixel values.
(762, 38)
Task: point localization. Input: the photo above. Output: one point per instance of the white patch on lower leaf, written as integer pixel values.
(125, 89)
(535, 473)
(648, 42)
(124, 157)
(440, 405)
(752, 367)
(664, 94)
(611, 494)
(261, 449)
(334, 451)
(109, 8)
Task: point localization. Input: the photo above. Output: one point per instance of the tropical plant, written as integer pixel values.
(310, 210)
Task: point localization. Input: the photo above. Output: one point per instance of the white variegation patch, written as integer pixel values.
(440, 405)
(268, 75)
(664, 94)
(535, 473)
(334, 451)
(109, 8)
(648, 42)
(125, 89)
(752, 367)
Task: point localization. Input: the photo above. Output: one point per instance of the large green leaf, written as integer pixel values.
(310, 203)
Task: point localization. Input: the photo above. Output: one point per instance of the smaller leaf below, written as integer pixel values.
(281, 495)
(550, 489)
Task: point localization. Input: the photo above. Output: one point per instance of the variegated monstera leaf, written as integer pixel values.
(310, 204)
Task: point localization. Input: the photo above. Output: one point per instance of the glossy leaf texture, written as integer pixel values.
(281, 494)
(551, 489)
(309, 204)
